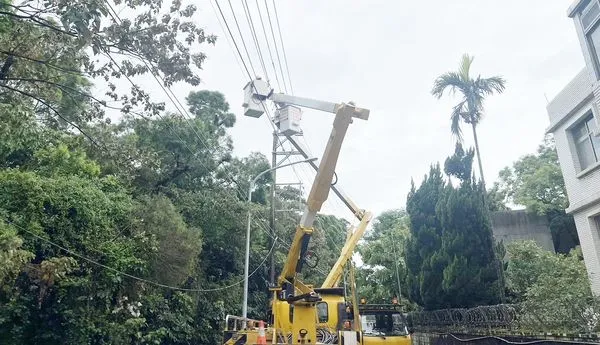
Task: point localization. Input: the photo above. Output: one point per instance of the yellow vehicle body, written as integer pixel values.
(300, 313)
(329, 309)
(394, 340)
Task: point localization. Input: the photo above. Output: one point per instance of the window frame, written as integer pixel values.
(326, 312)
(582, 139)
(587, 30)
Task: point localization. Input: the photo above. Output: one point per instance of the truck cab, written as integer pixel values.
(383, 324)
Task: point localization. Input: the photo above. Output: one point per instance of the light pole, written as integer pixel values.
(247, 262)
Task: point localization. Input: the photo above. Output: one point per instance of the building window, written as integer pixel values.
(591, 28)
(586, 142)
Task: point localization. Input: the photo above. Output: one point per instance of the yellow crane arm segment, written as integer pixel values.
(344, 113)
(346, 254)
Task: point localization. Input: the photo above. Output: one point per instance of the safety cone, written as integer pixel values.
(262, 338)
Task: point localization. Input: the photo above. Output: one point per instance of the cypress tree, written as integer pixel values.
(424, 275)
(450, 256)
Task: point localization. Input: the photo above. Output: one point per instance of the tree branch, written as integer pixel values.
(56, 112)
(45, 62)
(40, 22)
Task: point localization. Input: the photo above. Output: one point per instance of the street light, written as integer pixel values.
(247, 263)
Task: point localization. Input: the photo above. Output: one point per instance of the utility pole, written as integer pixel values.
(278, 150)
(272, 218)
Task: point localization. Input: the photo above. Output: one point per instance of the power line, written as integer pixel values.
(227, 37)
(241, 36)
(269, 117)
(250, 77)
(262, 23)
(283, 49)
(254, 37)
(233, 39)
(94, 262)
(276, 49)
(173, 99)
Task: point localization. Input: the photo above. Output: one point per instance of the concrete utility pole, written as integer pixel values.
(247, 261)
(272, 218)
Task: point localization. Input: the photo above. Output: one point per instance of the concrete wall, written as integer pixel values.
(589, 236)
(580, 97)
(519, 225)
(583, 187)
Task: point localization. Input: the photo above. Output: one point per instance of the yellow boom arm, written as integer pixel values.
(318, 193)
(338, 268)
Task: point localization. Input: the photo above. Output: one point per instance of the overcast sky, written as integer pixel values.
(385, 55)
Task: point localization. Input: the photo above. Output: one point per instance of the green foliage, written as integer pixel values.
(553, 289)
(424, 278)
(60, 160)
(383, 251)
(12, 257)
(495, 199)
(87, 215)
(178, 246)
(471, 276)
(127, 208)
(51, 48)
(460, 164)
(536, 182)
(20, 136)
(451, 255)
(473, 91)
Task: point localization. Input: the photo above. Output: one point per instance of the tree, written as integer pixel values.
(553, 289)
(451, 255)
(178, 246)
(496, 199)
(536, 182)
(471, 275)
(12, 257)
(52, 48)
(383, 251)
(86, 214)
(424, 278)
(130, 209)
(460, 164)
(470, 108)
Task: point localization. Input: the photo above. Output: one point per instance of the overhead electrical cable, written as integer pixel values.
(275, 44)
(95, 262)
(255, 38)
(180, 109)
(283, 49)
(262, 23)
(241, 37)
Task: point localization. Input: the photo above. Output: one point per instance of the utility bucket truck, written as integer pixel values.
(302, 313)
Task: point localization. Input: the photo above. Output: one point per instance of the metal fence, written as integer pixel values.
(501, 319)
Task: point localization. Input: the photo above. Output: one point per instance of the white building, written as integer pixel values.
(574, 120)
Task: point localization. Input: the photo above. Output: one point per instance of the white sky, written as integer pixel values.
(385, 55)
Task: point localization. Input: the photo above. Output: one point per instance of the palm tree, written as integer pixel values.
(470, 108)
